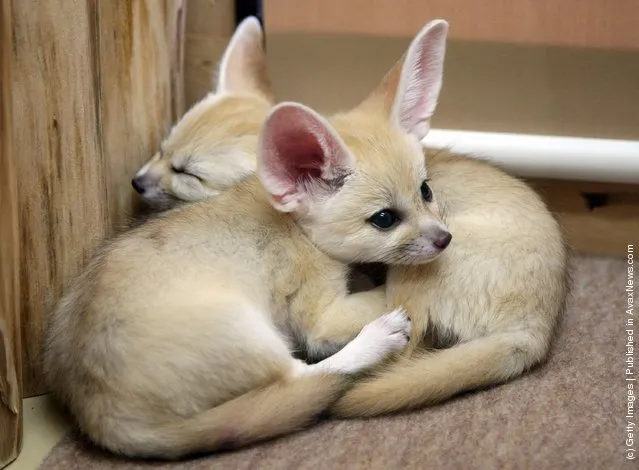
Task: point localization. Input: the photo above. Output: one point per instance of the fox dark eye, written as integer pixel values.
(384, 219)
(427, 194)
(176, 169)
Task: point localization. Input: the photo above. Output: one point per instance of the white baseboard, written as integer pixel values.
(540, 156)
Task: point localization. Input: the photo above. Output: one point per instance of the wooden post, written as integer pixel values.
(96, 85)
(10, 361)
(209, 26)
(138, 61)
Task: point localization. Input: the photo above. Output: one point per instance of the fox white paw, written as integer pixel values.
(387, 335)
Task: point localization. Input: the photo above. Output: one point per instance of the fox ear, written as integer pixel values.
(300, 158)
(410, 90)
(421, 80)
(243, 66)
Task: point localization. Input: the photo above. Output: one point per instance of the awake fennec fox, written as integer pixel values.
(214, 144)
(177, 337)
(481, 305)
(493, 297)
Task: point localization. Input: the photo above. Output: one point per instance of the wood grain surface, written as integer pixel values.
(10, 360)
(93, 95)
(209, 26)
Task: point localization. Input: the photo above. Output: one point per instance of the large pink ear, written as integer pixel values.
(300, 157)
(243, 66)
(421, 80)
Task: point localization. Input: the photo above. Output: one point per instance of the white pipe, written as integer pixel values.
(540, 156)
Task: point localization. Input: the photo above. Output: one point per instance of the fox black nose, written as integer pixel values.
(443, 241)
(135, 182)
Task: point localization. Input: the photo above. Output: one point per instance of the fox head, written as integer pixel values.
(357, 183)
(214, 145)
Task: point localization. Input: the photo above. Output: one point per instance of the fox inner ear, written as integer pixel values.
(408, 93)
(421, 80)
(301, 158)
(243, 66)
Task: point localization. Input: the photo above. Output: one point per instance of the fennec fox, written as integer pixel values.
(177, 338)
(214, 144)
(493, 297)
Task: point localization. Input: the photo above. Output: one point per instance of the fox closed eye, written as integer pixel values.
(182, 171)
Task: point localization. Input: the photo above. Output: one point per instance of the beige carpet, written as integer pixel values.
(567, 414)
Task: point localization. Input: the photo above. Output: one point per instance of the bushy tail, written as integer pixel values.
(428, 378)
(280, 408)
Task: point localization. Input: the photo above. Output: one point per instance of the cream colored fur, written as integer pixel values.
(214, 145)
(491, 301)
(178, 337)
(492, 298)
